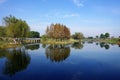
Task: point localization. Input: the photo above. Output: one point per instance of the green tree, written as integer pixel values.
(102, 36)
(16, 28)
(97, 36)
(2, 31)
(107, 35)
(78, 35)
(34, 34)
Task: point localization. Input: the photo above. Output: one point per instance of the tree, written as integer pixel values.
(107, 35)
(58, 31)
(16, 28)
(97, 36)
(34, 34)
(102, 36)
(2, 31)
(78, 35)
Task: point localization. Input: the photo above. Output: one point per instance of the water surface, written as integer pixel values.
(78, 61)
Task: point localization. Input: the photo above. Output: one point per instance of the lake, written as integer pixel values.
(78, 61)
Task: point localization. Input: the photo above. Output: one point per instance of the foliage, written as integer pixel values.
(34, 34)
(102, 36)
(16, 27)
(58, 31)
(90, 37)
(97, 36)
(44, 38)
(107, 35)
(78, 35)
(2, 31)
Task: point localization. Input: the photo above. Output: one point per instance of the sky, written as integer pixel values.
(91, 17)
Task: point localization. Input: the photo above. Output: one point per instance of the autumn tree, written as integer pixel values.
(58, 32)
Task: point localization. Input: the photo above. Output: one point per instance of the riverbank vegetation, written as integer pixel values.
(57, 34)
(105, 38)
(14, 31)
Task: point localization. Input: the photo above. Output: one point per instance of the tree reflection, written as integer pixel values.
(57, 53)
(105, 45)
(77, 45)
(43, 45)
(97, 43)
(32, 47)
(102, 44)
(119, 45)
(17, 60)
(2, 53)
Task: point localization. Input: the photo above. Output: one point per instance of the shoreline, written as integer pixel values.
(49, 41)
(110, 41)
(6, 45)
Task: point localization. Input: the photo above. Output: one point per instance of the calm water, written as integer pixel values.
(78, 61)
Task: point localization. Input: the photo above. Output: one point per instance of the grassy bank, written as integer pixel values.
(5, 45)
(52, 41)
(110, 41)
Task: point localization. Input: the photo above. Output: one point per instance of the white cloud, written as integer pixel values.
(71, 15)
(62, 15)
(78, 3)
(2, 1)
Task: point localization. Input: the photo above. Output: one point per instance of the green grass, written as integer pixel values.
(111, 41)
(52, 41)
(6, 44)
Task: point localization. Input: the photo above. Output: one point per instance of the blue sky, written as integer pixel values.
(90, 17)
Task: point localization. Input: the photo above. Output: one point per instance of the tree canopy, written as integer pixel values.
(2, 31)
(106, 35)
(58, 31)
(16, 27)
(78, 35)
(34, 34)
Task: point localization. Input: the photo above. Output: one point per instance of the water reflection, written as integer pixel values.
(32, 46)
(77, 45)
(97, 43)
(119, 45)
(16, 60)
(57, 53)
(43, 45)
(90, 42)
(105, 45)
